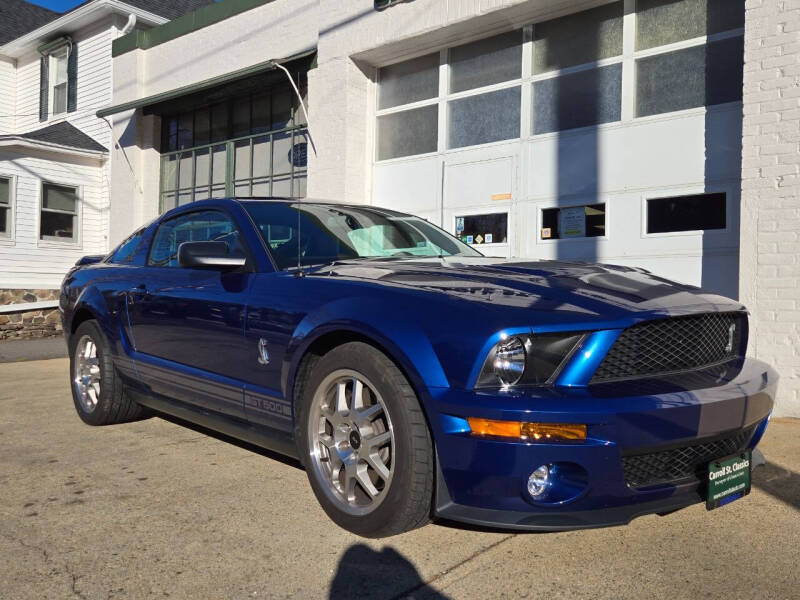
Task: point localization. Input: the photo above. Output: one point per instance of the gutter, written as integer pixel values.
(15, 47)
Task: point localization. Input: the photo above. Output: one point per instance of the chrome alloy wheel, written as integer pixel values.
(87, 375)
(351, 442)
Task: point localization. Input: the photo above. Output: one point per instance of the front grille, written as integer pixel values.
(673, 345)
(684, 463)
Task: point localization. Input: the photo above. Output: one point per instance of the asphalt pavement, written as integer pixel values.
(33, 349)
(155, 509)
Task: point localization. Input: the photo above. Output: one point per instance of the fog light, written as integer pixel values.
(539, 481)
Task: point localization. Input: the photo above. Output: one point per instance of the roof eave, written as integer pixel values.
(75, 19)
(16, 141)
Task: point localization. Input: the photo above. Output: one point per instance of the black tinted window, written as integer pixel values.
(202, 226)
(125, 252)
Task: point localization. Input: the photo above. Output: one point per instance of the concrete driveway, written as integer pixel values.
(154, 509)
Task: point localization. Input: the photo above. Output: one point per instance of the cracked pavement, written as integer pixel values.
(157, 509)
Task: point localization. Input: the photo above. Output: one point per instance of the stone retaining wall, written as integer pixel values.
(33, 324)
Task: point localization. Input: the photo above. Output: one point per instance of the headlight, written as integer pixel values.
(528, 360)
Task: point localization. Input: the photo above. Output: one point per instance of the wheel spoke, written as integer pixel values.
(350, 474)
(341, 397)
(367, 415)
(366, 483)
(374, 460)
(358, 394)
(327, 441)
(374, 442)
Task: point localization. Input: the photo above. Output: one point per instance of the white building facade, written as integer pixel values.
(595, 130)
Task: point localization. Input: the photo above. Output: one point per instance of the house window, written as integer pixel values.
(5, 207)
(483, 229)
(59, 81)
(574, 222)
(686, 213)
(253, 145)
(59, 218)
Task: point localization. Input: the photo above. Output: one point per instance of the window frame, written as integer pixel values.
(77, 239)
(728, 190)
(8, 237)
(527, 78)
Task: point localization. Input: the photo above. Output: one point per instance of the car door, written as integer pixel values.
(187, 325)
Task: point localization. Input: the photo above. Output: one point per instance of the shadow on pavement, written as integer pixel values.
(231, 440)
(366, 573)
(779, 483)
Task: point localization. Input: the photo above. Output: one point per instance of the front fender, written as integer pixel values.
(92, 300)
(394, 330)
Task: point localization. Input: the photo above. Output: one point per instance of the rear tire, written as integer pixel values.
(365, 443)
(97, 390)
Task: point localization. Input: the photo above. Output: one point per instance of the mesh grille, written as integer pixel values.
(671, 466)
(672, 345)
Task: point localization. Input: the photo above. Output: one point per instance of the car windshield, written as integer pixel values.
(324, 233)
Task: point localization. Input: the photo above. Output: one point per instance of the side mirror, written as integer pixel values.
(208, 255)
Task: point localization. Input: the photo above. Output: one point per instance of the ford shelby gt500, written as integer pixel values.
(415, 378)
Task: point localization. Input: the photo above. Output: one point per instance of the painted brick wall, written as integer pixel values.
(770, 230)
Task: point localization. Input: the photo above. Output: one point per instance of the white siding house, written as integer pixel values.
(55, 72)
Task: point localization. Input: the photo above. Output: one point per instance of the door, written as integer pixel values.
(187, 325)
(477, 204)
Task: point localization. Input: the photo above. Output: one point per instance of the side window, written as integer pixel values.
(201, 226)
(124, 253)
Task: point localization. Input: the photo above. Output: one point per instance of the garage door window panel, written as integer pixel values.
(486, 62)
(59, 214)
(692, 77)
(484, 118)
(662, 22)
(408, 133)
(584, 37)
(409, 81)
(581, 99)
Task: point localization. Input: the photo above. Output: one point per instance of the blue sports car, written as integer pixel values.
(415, 378)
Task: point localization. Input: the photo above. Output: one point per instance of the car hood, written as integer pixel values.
(587, 291)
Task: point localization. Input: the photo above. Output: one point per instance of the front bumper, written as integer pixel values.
(484, 481)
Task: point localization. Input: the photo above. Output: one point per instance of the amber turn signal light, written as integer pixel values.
(536, 432)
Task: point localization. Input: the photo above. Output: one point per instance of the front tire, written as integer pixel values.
(365, 443)
(97, 390)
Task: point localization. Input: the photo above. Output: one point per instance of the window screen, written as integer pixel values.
(696, 76)
(486, 62)
(200, 226)
(409, 132)
(409, 81)
(576, 39)
(578, 100)
(686, 213)
(574, 222)
(483, 229)
(484, 118)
